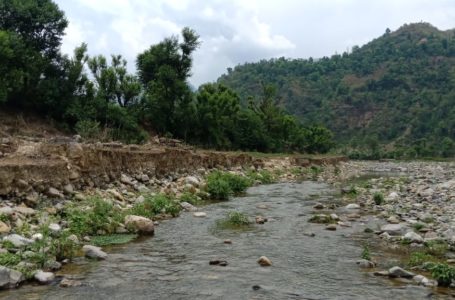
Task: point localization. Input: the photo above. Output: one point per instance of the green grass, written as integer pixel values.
(263, 176)
(420, 258)
(112, 239)
(9, 259)
(190, 198)
(321, 219)
(418, 226)
(153, 205)
(436, 248)
(234, 219)
(366, 254)
(378, 198)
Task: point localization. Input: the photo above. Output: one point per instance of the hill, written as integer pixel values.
(394, 96)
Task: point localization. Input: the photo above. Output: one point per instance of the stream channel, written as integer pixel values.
(175, 263)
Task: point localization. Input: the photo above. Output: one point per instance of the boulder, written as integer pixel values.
(68, 189)
(192, 181)
(18, 240)
(10, 278)
(365, 263)
(413, 237)
(6, 210)
(94, 252)
(393, 229)
(44, 277)
(263, 261)
(400, 273)
(187, 206)
(54, 193)
(353, 206)
(331, 227)
(139, 224)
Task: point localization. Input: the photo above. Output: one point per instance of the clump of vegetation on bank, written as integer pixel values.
(221, 185)
(156, 204)
(443, 273)
(234, 219)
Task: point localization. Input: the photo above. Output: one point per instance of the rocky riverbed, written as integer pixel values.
(403, 207)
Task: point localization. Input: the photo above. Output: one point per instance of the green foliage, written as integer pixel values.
(88, 129)
(63, 247)
(112, 239)
(4, 218)
(418, 226)
(321, 219)
(366, 254)
(378, 198)
(390, 92)
(9, 259)
(190, 198)
(436, 248)
(234, 219)
(153, 205)
(420, 258)
(263, 176)
(443, 273)
(221, 185)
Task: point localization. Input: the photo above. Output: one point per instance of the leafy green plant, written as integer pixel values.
(436, 248)
(190, 198)
(8, 259)
(4, 218)
(153, 205)
(234, 219)
(63, 247)
(378, 198)
(88, 129)
(418, 226)
(263, 176)
(221, 185)
(443, 273)
(419, 258)
(112, 239)
(366, 254)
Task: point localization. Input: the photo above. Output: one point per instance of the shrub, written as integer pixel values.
(153, 205)
(378, 198)
(263, 176)
(366, 253)
(234, 219)
(443, 273)
(190, 198)
(88, 129)
(221, 185)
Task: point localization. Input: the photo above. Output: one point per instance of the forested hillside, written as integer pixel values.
(394, 96)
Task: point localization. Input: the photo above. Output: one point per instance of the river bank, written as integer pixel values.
(413, 193)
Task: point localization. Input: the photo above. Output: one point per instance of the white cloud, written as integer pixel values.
(238, 31)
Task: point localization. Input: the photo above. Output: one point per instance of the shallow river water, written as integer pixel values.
(175, 263)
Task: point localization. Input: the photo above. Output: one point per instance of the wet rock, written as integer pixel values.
(364, 263)
(260, 220)
(318, 206)
(352, 206)
(4, 228)
(139, 224)
(413, 237)
(399, 272)
(217, 262)
(44, 277)
(227, 241)
(188, 207)
(310, 234)
(18, 240)
(331, 227)
(94, 252)
(263, 261)
(256, 287)
(393, 229)
(381, 273)
(262, 206)
(70, 283)
(10, 278)
(54, 193)
(200, 214)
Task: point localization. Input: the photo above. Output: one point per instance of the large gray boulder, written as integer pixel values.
(10, 278)
(94, 252)
(139, 224)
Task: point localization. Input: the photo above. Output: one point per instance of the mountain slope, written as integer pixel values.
(398, 90)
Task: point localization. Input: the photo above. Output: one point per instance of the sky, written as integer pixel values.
(233, 32)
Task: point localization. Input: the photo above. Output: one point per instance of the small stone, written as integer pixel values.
(86, 238)
(260, 220)
(32, 199)
(54, 227)
(393, 220)
(22, 184)
(200, 214)
(144, 178)
(68, 189)
(331, 227)
(334, 217)
(217, 262)
(70, 283)
(37, 236)
(399, 272)
(256, 287)
(310, 234)
(192, 181)
(125, 179)
(262, 206)
(44, 277)
(352, 206)
(54, 193)
(4, 228)
(26, 211)
(79, 197)
(116, 195)
(51, 210)
(6, 210)
(94, 252)
(364, 263)
(263, 261)
(227, 241)
(393, 229)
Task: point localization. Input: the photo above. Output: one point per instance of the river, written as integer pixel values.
(175, 263)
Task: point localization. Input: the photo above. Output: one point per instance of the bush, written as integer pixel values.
(234, 219)
(443, 273)
(88, 129)
(154, 205)
(378, 198)
(220, 185)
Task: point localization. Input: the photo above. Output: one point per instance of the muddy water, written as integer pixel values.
(175, 263)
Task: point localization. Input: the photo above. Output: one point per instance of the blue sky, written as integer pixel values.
(238, 31)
